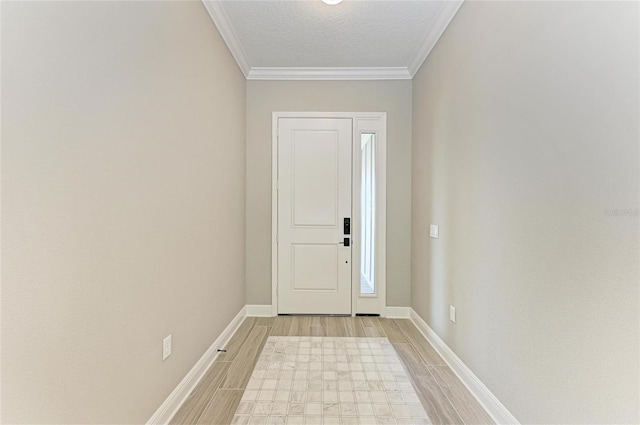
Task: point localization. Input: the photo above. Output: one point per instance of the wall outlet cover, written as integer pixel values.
(434, 232)
(166, 347)
(452, 313)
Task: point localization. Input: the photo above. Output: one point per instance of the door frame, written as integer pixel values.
(362, 122)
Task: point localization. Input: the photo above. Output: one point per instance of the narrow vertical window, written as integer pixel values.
(368, 216)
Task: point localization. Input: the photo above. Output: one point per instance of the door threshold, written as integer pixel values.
(311, 314)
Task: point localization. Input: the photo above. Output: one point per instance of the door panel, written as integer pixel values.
(315, 267)
(315, 178)
(314, 197)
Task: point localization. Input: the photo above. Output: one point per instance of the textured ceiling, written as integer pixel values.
(309, 33)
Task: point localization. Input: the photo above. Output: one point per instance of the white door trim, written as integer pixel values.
(361, 122)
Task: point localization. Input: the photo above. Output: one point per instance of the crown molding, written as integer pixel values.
(329, 73)
(448, 11)
(221, 21)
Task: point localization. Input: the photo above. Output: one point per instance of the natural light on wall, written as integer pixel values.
(367, 211)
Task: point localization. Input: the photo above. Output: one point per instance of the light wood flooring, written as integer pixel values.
(215, 399)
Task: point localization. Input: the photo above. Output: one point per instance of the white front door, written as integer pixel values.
(314, 199)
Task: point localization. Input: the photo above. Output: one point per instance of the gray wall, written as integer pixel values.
(525, 137)
(122, 204)
(265, 97)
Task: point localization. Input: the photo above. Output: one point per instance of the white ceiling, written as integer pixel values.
(307, 39)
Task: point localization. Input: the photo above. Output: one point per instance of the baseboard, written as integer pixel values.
(259, 310)
(397, 312)
(267, 311)
(490, 402)
(171, 405)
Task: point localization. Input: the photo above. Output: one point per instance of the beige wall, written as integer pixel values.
(525, 135)
(265, 97)
(122, 204)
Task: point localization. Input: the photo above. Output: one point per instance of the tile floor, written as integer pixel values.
(329, 380)
(218, 396)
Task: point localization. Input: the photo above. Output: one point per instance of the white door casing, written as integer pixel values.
(362, 123)
(314, 198)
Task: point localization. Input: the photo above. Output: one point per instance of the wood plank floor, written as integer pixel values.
(216, 398)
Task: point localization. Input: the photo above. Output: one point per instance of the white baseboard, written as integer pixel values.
(397, 312)
(177, 397)
(259, 310)
(489, 402)
(267, 311)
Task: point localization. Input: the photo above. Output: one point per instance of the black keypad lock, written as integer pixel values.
(347, 226)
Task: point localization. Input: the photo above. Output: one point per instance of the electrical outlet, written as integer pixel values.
(452, 313)
(434, 232)
(166, 347)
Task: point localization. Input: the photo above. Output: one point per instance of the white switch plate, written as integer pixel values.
(166, 347)
(433, 231)
(452, 313)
